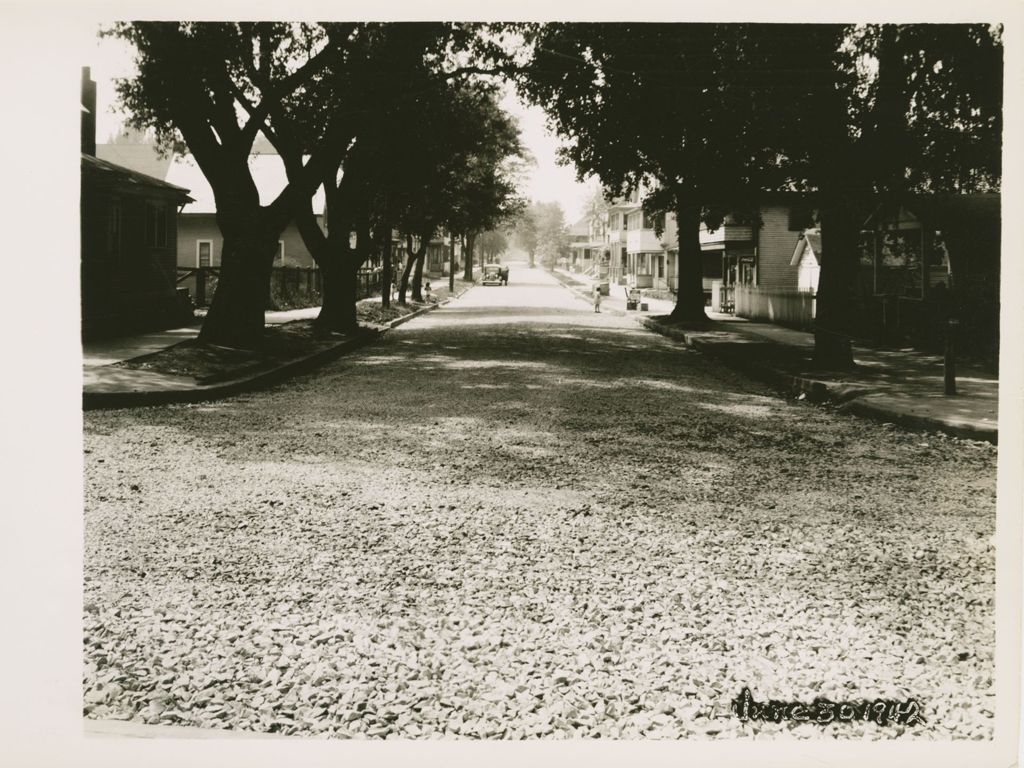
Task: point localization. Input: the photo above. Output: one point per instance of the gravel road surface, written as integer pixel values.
(517, 518)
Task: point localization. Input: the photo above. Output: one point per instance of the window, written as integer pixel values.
(661, 264)
(156, 225)
(654, 221)
(279, 254)
(204, 253)
(899, 264)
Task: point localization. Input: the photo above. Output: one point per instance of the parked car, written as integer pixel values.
(491, 274)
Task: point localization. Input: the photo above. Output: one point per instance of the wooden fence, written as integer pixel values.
(792, 308)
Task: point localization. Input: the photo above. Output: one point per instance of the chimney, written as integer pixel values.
(88, 113)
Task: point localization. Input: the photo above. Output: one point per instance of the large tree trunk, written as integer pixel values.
(338, 311)
(468, 257)
(690, 291)
(236, 316)
(333, 257)
(835, 322)
(451, 265)
(842, 180)
(417, 278)
(403, 283)
(387, 266)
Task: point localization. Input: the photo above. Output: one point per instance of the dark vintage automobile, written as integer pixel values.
(494, 274)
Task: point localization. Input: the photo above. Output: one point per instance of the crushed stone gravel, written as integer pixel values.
(514, 518)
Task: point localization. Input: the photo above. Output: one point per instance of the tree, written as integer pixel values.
(487, 190)
(839, 128)
(492, 244)
(525, 233)
(552, 232)
(595, 207)
(671, 106)
(904, 109)
(429, 146)
(212, 87)
(541, 231)
(467, 132)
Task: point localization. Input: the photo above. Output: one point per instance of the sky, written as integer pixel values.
(546, 181)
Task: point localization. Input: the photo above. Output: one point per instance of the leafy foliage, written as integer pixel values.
(541, 231)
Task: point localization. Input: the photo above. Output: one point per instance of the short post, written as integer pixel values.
(949, 360)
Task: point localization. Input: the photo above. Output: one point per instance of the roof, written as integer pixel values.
(979, 206)
(814, 240)
(623, 205)
(809, 238)
(581, 227)
(267, 172)
(143, 158)
(116, 174)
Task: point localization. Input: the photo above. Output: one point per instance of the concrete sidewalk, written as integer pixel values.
(96, 354)
(107, 385)
(899, 386)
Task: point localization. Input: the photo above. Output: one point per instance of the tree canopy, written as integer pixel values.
(714, 115)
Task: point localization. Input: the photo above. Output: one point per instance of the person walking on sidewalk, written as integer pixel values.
(597, 298)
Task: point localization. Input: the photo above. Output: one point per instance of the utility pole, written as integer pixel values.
(451, 263)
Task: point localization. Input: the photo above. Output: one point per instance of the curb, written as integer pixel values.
(580, 294)
(819, 391)
(135, 399)
(954, 427)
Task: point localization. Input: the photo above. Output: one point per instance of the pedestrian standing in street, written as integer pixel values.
(597, 298)
(427, 292)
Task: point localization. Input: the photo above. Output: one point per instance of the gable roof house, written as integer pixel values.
(128, 241)
(934, 257)
(199, 241)
(807, 260)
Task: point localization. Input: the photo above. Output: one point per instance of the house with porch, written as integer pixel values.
(747, 262)
(437, 259)
(645, 254)
(762, 275)
(129, 228)
(588, 246)
(199, 243)
(930, 259)
(615, 237)
(579, 259)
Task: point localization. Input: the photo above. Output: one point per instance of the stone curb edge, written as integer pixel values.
(103, 400)
(954, 427)
(818, 391)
